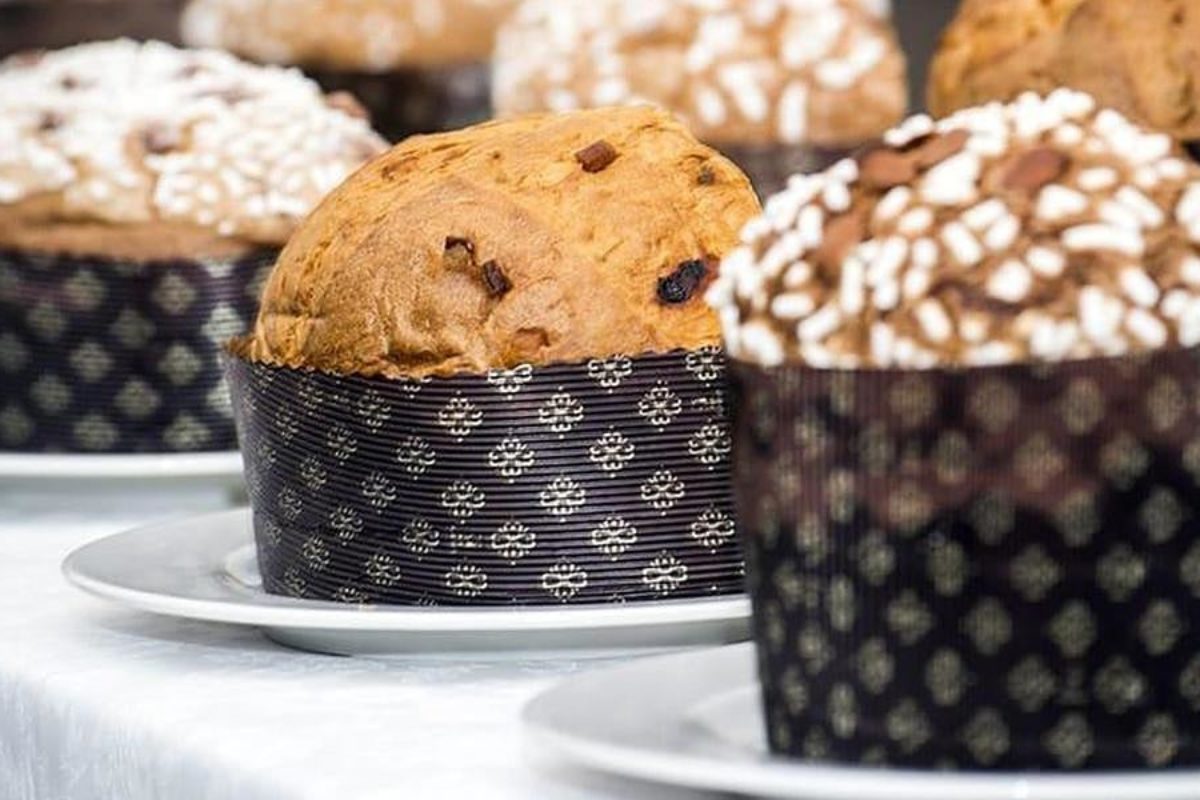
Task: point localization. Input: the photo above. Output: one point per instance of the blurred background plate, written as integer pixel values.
(694, 720)
(39, 469)
(203, 568)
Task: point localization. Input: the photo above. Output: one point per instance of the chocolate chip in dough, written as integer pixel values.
(681, 285)
(596, 156)
(458, 253)
(1193, 149)
(496, 281)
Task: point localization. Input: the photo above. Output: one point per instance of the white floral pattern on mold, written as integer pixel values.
(415, 455)
(341, 441)
(462, 499)
(663, 490)
(710, 445)
(383, 570)
(345, 523)
(610, 372)
(315, 554)
(513, 540)
(379, 490)
(564, 580)
(372, 409)
(713, 528)
(420, 536)
(289, 503)
(660, 406)
(412, 386)
(706, 364)
(510, 381)
(460, 416)
(511, 458)
(351, 595)
(665, 574)
(561, 413)
(613, 536)
(562, 497)
(612, 451)
(312, 473)
(466, 580)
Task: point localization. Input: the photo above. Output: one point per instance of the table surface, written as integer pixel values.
(100, 703)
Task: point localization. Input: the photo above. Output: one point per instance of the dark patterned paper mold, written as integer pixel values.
(992, 568)
(102, 356)
(600, 482)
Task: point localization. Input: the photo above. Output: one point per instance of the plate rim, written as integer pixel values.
(111, 466)
(279, 612)
(779, 778)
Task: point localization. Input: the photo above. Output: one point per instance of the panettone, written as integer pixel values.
(356, 35)
(1050, 229)
(543, 239)
(1140, 58)
(826, 72)
(145, 151)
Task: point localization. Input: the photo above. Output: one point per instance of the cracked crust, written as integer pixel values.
(494, 246)
(1142, 59)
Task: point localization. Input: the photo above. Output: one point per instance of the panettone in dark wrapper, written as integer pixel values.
(967, 445)
(779, 88)
(144, 193)
(418, 66)
(484, 374)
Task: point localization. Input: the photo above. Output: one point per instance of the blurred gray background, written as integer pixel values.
(920, 23)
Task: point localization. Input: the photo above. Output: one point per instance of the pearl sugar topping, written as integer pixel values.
(1043, 230)
(129, 132)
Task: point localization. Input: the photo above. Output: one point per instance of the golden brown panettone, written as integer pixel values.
(828, 73)
(549, 238)
(1141, 58)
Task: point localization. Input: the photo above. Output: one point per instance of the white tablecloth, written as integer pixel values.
(99, 703)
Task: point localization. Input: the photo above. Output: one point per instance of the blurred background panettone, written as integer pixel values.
(417, 65)
(144, 191)
(550, 238)
(779, 87)
(1141, 58)
(139, 151)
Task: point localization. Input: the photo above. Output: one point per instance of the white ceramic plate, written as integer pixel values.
(39, 467)
(203, 568)
(694, 720)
